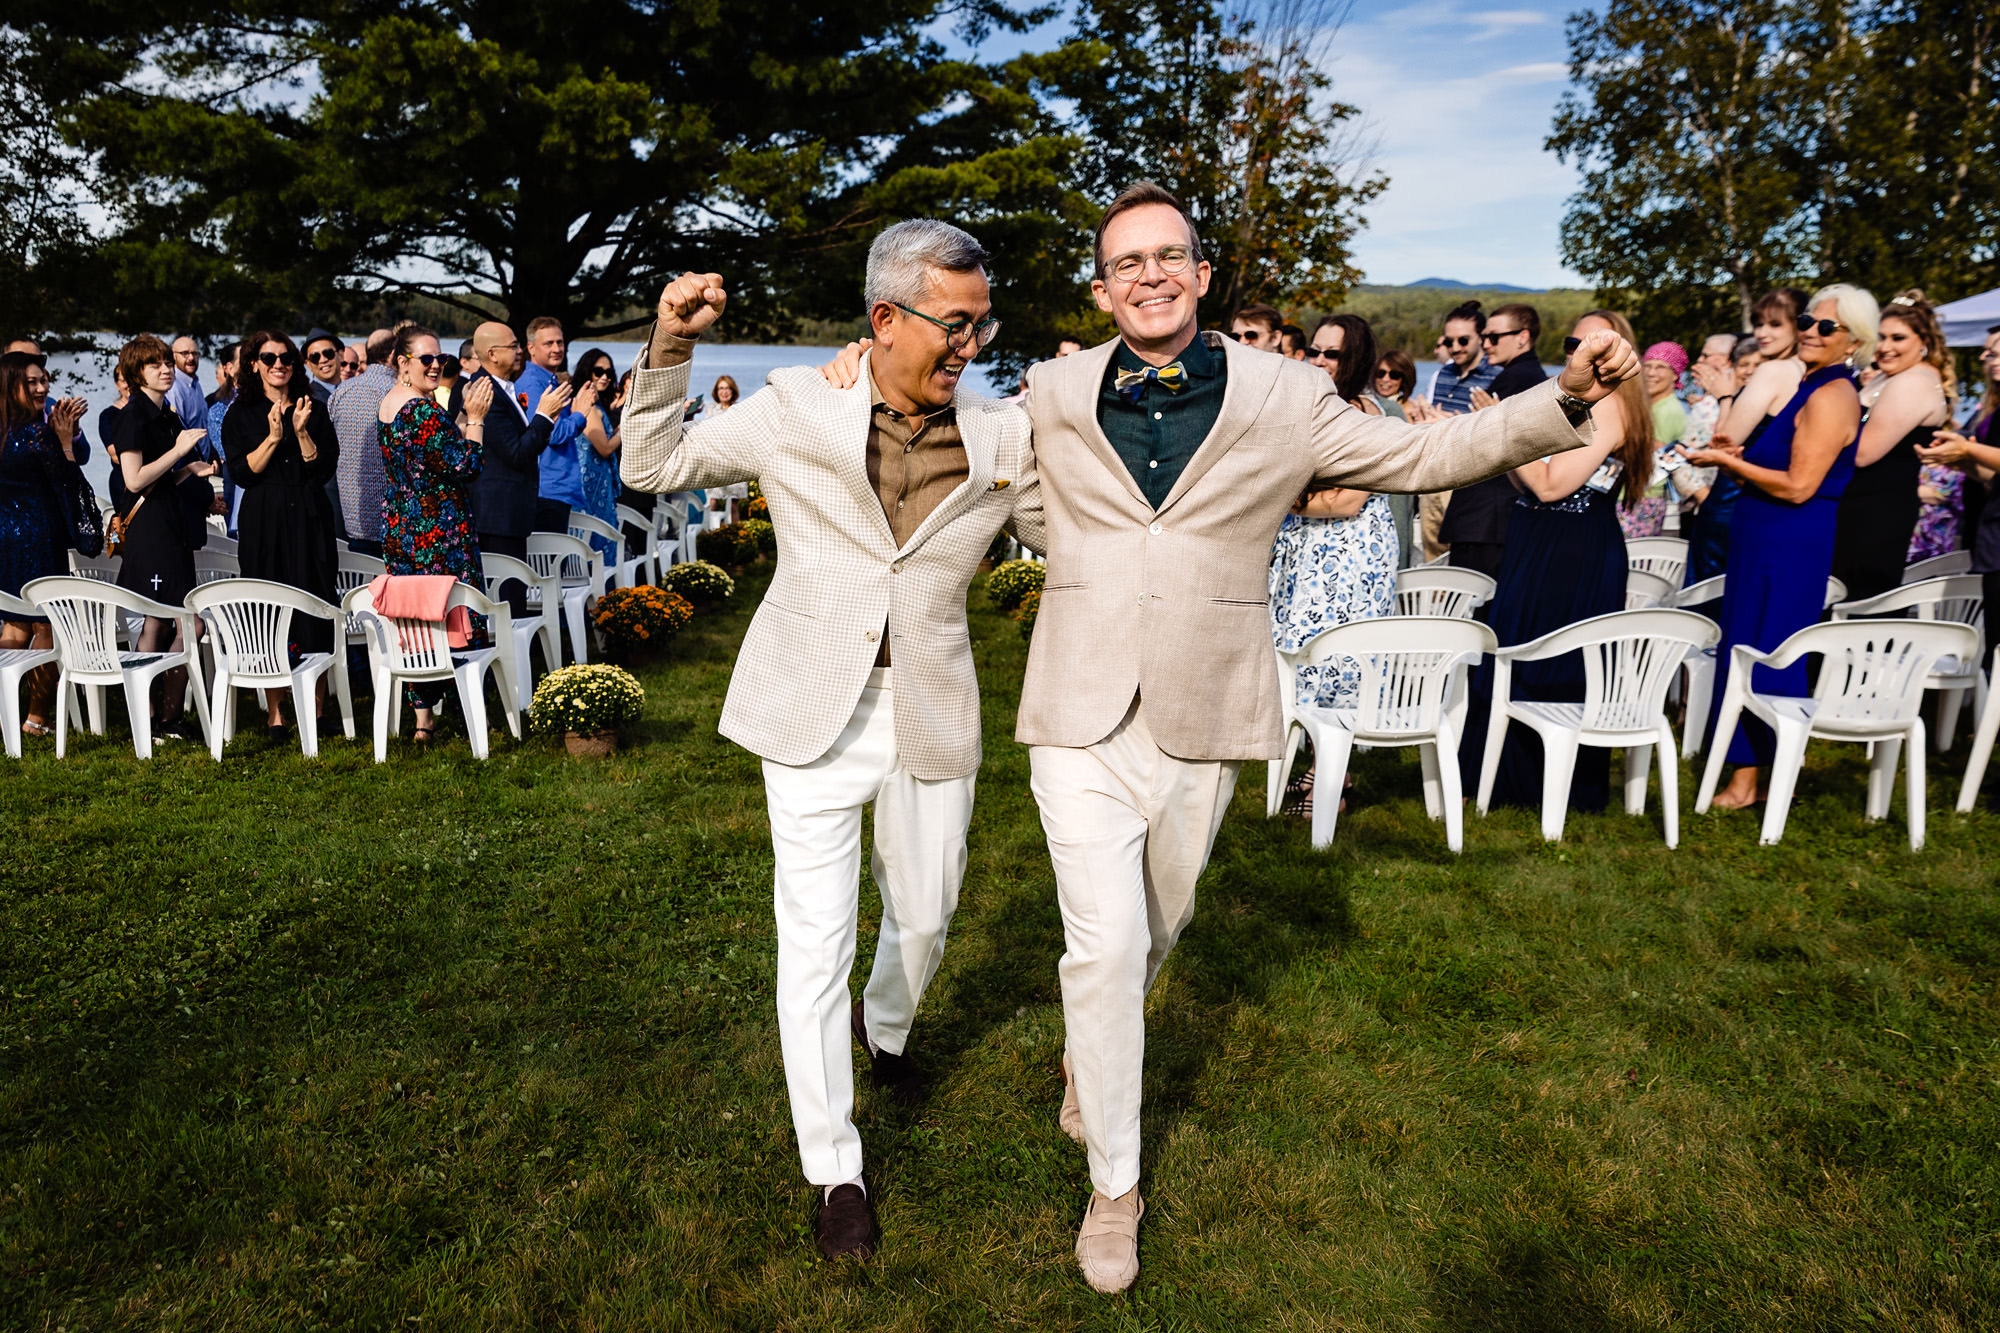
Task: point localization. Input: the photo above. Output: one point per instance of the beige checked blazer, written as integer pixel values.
(841, 577)
(1173, 605)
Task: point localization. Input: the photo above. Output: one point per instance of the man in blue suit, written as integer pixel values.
(509, 484)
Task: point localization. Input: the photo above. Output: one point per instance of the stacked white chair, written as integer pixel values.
(1938, 567)
(630, 521)
(15, 664)
(420, 650)
(1983, 735)
(1412, 692)
(85, 616)
(1870, 690)
(1629, 660)
(1644, 590)
(542, 619)
(250, 623)
(1440, 590)
(220, 542)
(584, 580)
(1665, 556)
(618, 571)
(1958, 598)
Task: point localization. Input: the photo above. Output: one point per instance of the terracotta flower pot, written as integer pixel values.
(591, 744)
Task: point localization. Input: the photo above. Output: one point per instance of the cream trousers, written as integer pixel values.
(919, 864)
(1130, 829)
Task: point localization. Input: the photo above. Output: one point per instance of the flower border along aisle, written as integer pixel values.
(586, 704)
(632, 620)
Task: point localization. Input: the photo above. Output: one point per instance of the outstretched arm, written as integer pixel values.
(1380, 454)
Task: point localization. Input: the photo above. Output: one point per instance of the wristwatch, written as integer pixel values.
(1575, 408)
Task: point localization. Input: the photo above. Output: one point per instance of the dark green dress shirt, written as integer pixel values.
(1159, 434)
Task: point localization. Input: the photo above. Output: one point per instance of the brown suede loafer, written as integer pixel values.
(845, 1228)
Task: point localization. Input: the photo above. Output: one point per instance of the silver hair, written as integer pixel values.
(903, 257)
(1856, 309)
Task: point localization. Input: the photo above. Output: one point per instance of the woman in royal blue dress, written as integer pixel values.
(1781, 538)
(1564, 561)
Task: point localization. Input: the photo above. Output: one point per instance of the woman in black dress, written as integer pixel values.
(153, 447)
(1904, 407)
(34, 528)
(281, 449)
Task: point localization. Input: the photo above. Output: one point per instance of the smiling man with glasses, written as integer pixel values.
(855, 683)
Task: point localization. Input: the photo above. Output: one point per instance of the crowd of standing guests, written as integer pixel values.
(388, 447)
(1820, 444)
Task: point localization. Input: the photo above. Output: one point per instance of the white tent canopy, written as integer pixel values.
(1966, 322)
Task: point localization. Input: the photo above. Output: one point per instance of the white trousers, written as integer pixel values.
(919, 863)
(1130, 828)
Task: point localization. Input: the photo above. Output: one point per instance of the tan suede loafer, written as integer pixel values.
(1071, 1115)
(1107, 1245)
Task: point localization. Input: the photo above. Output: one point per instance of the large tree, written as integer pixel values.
(262, 156)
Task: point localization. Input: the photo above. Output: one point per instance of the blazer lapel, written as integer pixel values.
(982, 448)
(850, 450)
(1085, 380)
(1252, 376)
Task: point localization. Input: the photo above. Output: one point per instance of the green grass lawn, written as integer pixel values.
(443, 1044)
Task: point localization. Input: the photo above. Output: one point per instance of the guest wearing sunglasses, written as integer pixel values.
(322, 364)
(1792, 472)
(1395, 380)
(350, 363)
(596, 385)
(1475, 522)
(1468, 367)
(1334, 559)
(282, 451)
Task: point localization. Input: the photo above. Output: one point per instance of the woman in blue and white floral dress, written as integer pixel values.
(1334, 560)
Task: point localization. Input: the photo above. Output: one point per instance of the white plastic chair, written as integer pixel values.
(1665, 556)
(1870, 690)
(419, 650)
(1700, 662)
(619, 571)
(210, 565)
(355, 571)
(1629, 659)
(84, 615)
(1983, 735)
(250, 623)
(219, 542)
(1412, 692)
(583, 581)
(15, 664)
(1959, 599)
(1938, 567)
(542, 621)
(647, 555)
(1644, 590)
(1440, 590)
(103, 568)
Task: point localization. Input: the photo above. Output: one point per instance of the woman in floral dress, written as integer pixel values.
(429, 467)
(1334, 559)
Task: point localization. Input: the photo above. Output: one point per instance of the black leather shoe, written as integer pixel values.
(896, 1074)
(846, 1225)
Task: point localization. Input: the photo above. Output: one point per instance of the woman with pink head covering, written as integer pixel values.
(1663, 366)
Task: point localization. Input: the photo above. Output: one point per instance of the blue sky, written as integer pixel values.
(1458, 99)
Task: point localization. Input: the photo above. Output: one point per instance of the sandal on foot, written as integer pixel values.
(423, 735)
(31, 727)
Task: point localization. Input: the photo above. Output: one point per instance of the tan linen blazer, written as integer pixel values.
(840, 576)
(1173, 605)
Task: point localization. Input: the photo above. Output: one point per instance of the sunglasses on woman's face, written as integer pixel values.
(601, 373)
(1322, 353)
(1825, 326)
(428, 359)
(1390, 375)
(268, 359)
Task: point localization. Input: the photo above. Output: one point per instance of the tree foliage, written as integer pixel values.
(1727, 147)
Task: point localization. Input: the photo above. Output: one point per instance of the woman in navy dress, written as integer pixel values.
(1781, 539)
(1564, 561)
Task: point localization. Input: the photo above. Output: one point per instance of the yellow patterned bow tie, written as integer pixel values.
(1172, 377)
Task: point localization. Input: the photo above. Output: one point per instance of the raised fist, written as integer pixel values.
(691, 303)
(1600, 363)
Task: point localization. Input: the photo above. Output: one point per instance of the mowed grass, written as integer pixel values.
(443, 1044)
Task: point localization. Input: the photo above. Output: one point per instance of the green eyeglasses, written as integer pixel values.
(959, 331)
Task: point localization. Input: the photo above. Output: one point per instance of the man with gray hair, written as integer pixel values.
(855, 683)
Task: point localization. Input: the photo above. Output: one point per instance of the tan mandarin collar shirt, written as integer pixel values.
(913, 464)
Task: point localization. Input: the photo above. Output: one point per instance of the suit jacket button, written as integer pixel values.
(1155, 529)
(872, 636)
(895, 567)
